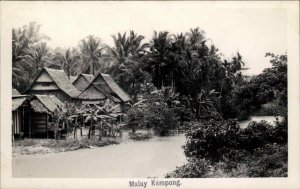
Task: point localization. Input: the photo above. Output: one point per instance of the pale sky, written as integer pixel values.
(252, 30)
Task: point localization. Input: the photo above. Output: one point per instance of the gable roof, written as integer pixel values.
(83, 81)
(73, 78)
(17, 102)
(89, 77)
(61, 80)
(91, 93)
(113, 86)
(46, 103)
(15, 92)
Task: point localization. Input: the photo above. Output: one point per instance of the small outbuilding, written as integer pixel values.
(19, 112)
(43, 108)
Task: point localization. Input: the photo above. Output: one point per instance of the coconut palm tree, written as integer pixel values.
(67, 59)
(196, 37)
(22, 39)
(90, 48)
(158, 57)
(129, 52)
(36, 58)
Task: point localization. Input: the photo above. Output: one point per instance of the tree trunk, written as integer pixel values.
(221, 89)
(100, 131)
(75, 132)
(90, 129)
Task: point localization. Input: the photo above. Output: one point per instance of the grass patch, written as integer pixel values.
(42, 146)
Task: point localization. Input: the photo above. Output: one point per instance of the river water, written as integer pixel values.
(150, 158)
(154, 157)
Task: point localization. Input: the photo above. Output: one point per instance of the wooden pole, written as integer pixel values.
(29, 129)
(23, 123)
(47, 125)
(13, 127)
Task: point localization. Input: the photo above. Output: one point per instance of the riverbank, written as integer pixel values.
(44, 146)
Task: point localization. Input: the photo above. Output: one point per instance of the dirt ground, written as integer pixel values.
(43, 146)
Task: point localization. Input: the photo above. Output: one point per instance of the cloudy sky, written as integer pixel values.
(249, 28)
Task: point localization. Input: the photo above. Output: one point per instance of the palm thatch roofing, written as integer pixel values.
(89, 77)
(46, 104)
(17, 102)
(60, 78)
(73, 78)
(15, 92)
(92, 93)
(108, 86)
(83, 81)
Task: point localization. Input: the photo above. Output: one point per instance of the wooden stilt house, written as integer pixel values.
(54, 82)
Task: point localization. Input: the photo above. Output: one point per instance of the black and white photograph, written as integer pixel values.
(150, 94)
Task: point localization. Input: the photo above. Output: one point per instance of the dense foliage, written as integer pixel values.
(223, 146)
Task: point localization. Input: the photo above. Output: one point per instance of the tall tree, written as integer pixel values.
(129, 53)
(90, 48)
(158, 57)
(22, 39)
(66, 59)
(36, 58)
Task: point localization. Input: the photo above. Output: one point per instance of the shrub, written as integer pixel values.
(135, 119)
(210, 139)
(280, 132)
(272, 161)
(255, 135)
(214, 139)
(195, 168)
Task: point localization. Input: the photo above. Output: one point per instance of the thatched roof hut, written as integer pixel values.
(46, 104)
(110, 88)
(53, 82)
(17, 102)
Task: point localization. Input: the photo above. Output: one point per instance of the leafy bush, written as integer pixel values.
(209, 140)
(269, 161)
(153, 114)
(259, 150)
(195, 168)
(135, 119)
(163, 120)
(255, 135)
